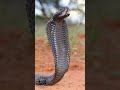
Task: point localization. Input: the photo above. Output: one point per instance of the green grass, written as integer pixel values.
(40, 30)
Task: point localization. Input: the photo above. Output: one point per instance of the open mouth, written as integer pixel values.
(64, 12)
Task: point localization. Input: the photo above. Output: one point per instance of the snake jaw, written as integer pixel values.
(64, 12)
(61, 14)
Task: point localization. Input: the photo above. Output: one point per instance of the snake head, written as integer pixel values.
(61, 14)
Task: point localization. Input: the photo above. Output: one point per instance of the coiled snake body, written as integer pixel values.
(58, 38)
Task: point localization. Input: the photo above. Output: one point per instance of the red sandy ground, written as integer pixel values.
(74, 79)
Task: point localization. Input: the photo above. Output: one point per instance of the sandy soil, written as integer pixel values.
(74, 79)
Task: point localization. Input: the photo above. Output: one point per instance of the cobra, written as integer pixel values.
(57, 34)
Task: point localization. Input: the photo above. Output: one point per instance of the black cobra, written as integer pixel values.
(57, 33)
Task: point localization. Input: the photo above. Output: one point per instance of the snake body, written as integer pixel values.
(58, 38)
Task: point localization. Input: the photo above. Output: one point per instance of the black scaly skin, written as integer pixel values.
(58, 38)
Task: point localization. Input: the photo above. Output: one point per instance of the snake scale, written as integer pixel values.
(58, 38)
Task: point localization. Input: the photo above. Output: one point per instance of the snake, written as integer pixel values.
(58, 38)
